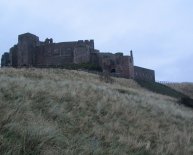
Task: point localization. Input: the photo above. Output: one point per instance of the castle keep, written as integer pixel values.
(31, 52)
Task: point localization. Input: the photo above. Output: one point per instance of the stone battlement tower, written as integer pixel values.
(31, 52)
(26, 44)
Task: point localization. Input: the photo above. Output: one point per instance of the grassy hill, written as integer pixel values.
(161, 89)
(55, 111)
(186, 88)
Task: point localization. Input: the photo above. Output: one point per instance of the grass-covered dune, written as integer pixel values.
(55, 111)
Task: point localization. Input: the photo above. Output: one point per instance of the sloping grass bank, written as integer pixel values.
(186, 88)
(54, 111)
(160, 88)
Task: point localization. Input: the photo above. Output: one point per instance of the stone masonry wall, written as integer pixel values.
(13, 56)
(116, 64)
(5, 61)
(31, 52)
(55, 54)
(144, 74)
(26, 43)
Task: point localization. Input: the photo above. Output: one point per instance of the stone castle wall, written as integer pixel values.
(144, 74)
(13, 56)
(31, 52)
(54, 54)
(26, 44)
(117, 64)
(5, 59)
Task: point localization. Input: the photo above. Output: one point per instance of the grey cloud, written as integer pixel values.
(160, 32)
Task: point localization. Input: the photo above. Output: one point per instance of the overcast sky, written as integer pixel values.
(160, 32)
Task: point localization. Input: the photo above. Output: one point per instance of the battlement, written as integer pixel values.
(31, 52)
(27, 37)
(89, 43)
(48, 41)
(119, 54)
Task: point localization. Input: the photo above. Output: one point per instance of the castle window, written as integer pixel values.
(113, 70)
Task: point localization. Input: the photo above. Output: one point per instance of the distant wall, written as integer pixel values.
(144, 74)
(5, 61)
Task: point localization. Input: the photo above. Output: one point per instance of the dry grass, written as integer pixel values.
(186, 88)
(53, 111)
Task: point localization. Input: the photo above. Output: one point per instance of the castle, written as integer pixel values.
(31, 52)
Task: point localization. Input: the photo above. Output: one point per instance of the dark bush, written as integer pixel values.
(187, 101)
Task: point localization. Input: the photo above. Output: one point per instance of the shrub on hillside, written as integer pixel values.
(187, 101)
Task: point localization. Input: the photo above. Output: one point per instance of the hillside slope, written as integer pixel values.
(186, 88)
(53, 111)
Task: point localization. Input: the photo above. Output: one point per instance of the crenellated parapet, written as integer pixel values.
(30, 52)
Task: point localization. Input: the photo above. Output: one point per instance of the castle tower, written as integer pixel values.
(5, 60)
(131, 65)
(13, 56)
(131, 54)
(81, 52)
(26, 45)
